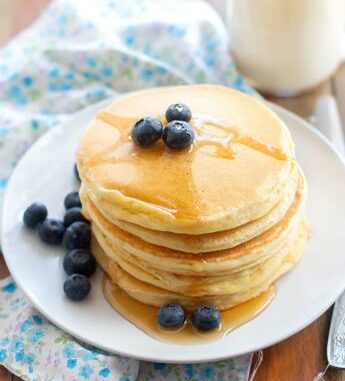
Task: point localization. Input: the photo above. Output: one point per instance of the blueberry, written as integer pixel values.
(73, 215)
(171, 315)
(76, 172)
(72, 199)
(51, 231)
(77, 236)
(76, 287)
(79, 261)
(35, 214)
(147, 131)
(178, 134)
(178, 111)
(206, 317)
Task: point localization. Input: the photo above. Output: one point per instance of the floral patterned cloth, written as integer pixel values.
(35, 349)
(78, 53)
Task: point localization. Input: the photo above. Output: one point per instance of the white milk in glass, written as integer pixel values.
(286, 46)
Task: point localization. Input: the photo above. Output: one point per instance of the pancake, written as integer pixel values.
(239, 167)
(155, 296)
(203, 243)
(217, 222)
(137, 251)
(191, 285)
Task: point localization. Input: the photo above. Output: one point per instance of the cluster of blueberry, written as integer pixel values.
(178, 133)
(173, 316)
(74, 233)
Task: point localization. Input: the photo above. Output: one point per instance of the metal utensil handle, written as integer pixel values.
(328, 122)
(336, 338)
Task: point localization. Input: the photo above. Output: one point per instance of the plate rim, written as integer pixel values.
(277, 109)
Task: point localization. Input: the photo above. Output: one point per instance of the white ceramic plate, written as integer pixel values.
(46, 174)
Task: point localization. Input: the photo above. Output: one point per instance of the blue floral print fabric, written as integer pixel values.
(35, 349)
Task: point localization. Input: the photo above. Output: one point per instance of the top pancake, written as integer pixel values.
(238, 168)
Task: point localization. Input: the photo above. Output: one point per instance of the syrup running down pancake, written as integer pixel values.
(217, 222)
(240, 165)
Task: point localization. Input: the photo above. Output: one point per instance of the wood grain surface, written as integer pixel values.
(303, 355)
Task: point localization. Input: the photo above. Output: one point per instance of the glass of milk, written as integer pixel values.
(285, 47)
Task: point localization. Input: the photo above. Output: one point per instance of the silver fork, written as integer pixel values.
(326, 119)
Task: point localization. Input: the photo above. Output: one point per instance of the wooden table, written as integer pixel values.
(303, 355)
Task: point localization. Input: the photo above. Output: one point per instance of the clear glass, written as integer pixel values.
(286, 46)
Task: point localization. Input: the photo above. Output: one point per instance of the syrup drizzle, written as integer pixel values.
(224, 144)
(233, 136)
(144, 316)
(135, 171)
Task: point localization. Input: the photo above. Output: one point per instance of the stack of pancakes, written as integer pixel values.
(218, 222)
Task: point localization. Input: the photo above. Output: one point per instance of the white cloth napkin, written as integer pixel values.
(77, 53)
